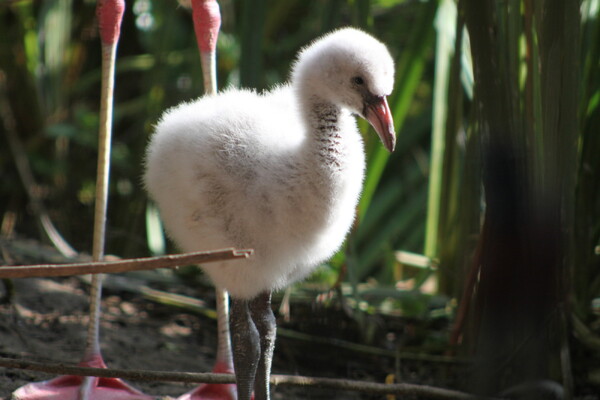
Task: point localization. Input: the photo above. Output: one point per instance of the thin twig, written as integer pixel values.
(400, 389)
(136, 264)
(26, 174)
(366, 349)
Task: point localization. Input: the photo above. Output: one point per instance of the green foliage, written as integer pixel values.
(586, 240)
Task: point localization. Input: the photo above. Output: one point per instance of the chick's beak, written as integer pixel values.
(378, 113)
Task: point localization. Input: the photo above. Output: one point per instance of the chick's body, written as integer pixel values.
(254, 176)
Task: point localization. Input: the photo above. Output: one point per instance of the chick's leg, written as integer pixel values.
(264, 320)
(246, 347)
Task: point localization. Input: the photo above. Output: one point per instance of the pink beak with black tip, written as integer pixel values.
(378, 113)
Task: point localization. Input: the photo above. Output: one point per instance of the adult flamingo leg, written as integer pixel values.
(110, 14)
(207, 21)
(224, 363)
(70, 387)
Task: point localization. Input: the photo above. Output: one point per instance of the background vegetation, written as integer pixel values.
(420, 217)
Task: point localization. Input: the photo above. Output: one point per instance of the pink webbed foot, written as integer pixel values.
(214, 391)
(69, 387)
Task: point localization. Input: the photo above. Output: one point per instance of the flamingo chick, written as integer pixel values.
(280, 172)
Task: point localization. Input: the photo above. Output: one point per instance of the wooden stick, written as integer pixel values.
(399, 389)
(112, 267)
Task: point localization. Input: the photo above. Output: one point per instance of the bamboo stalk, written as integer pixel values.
(445, 26)
(112, 267)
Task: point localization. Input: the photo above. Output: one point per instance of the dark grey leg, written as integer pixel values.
(246, 348)
(264, 320)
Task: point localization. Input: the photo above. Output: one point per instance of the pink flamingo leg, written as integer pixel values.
(207, 21)
(224, 363)
(70, 387)
(110, 14)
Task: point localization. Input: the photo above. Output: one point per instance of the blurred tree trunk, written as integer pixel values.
(529, 162)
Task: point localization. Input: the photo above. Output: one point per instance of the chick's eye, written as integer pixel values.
(358, 80)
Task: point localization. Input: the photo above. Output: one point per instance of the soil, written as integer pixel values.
(46, 320)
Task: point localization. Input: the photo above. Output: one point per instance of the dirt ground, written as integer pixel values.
(46, 320)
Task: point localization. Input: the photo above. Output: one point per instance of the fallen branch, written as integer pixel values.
(399, 389)
(111, 267)
(134, 375)
(375, 388)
